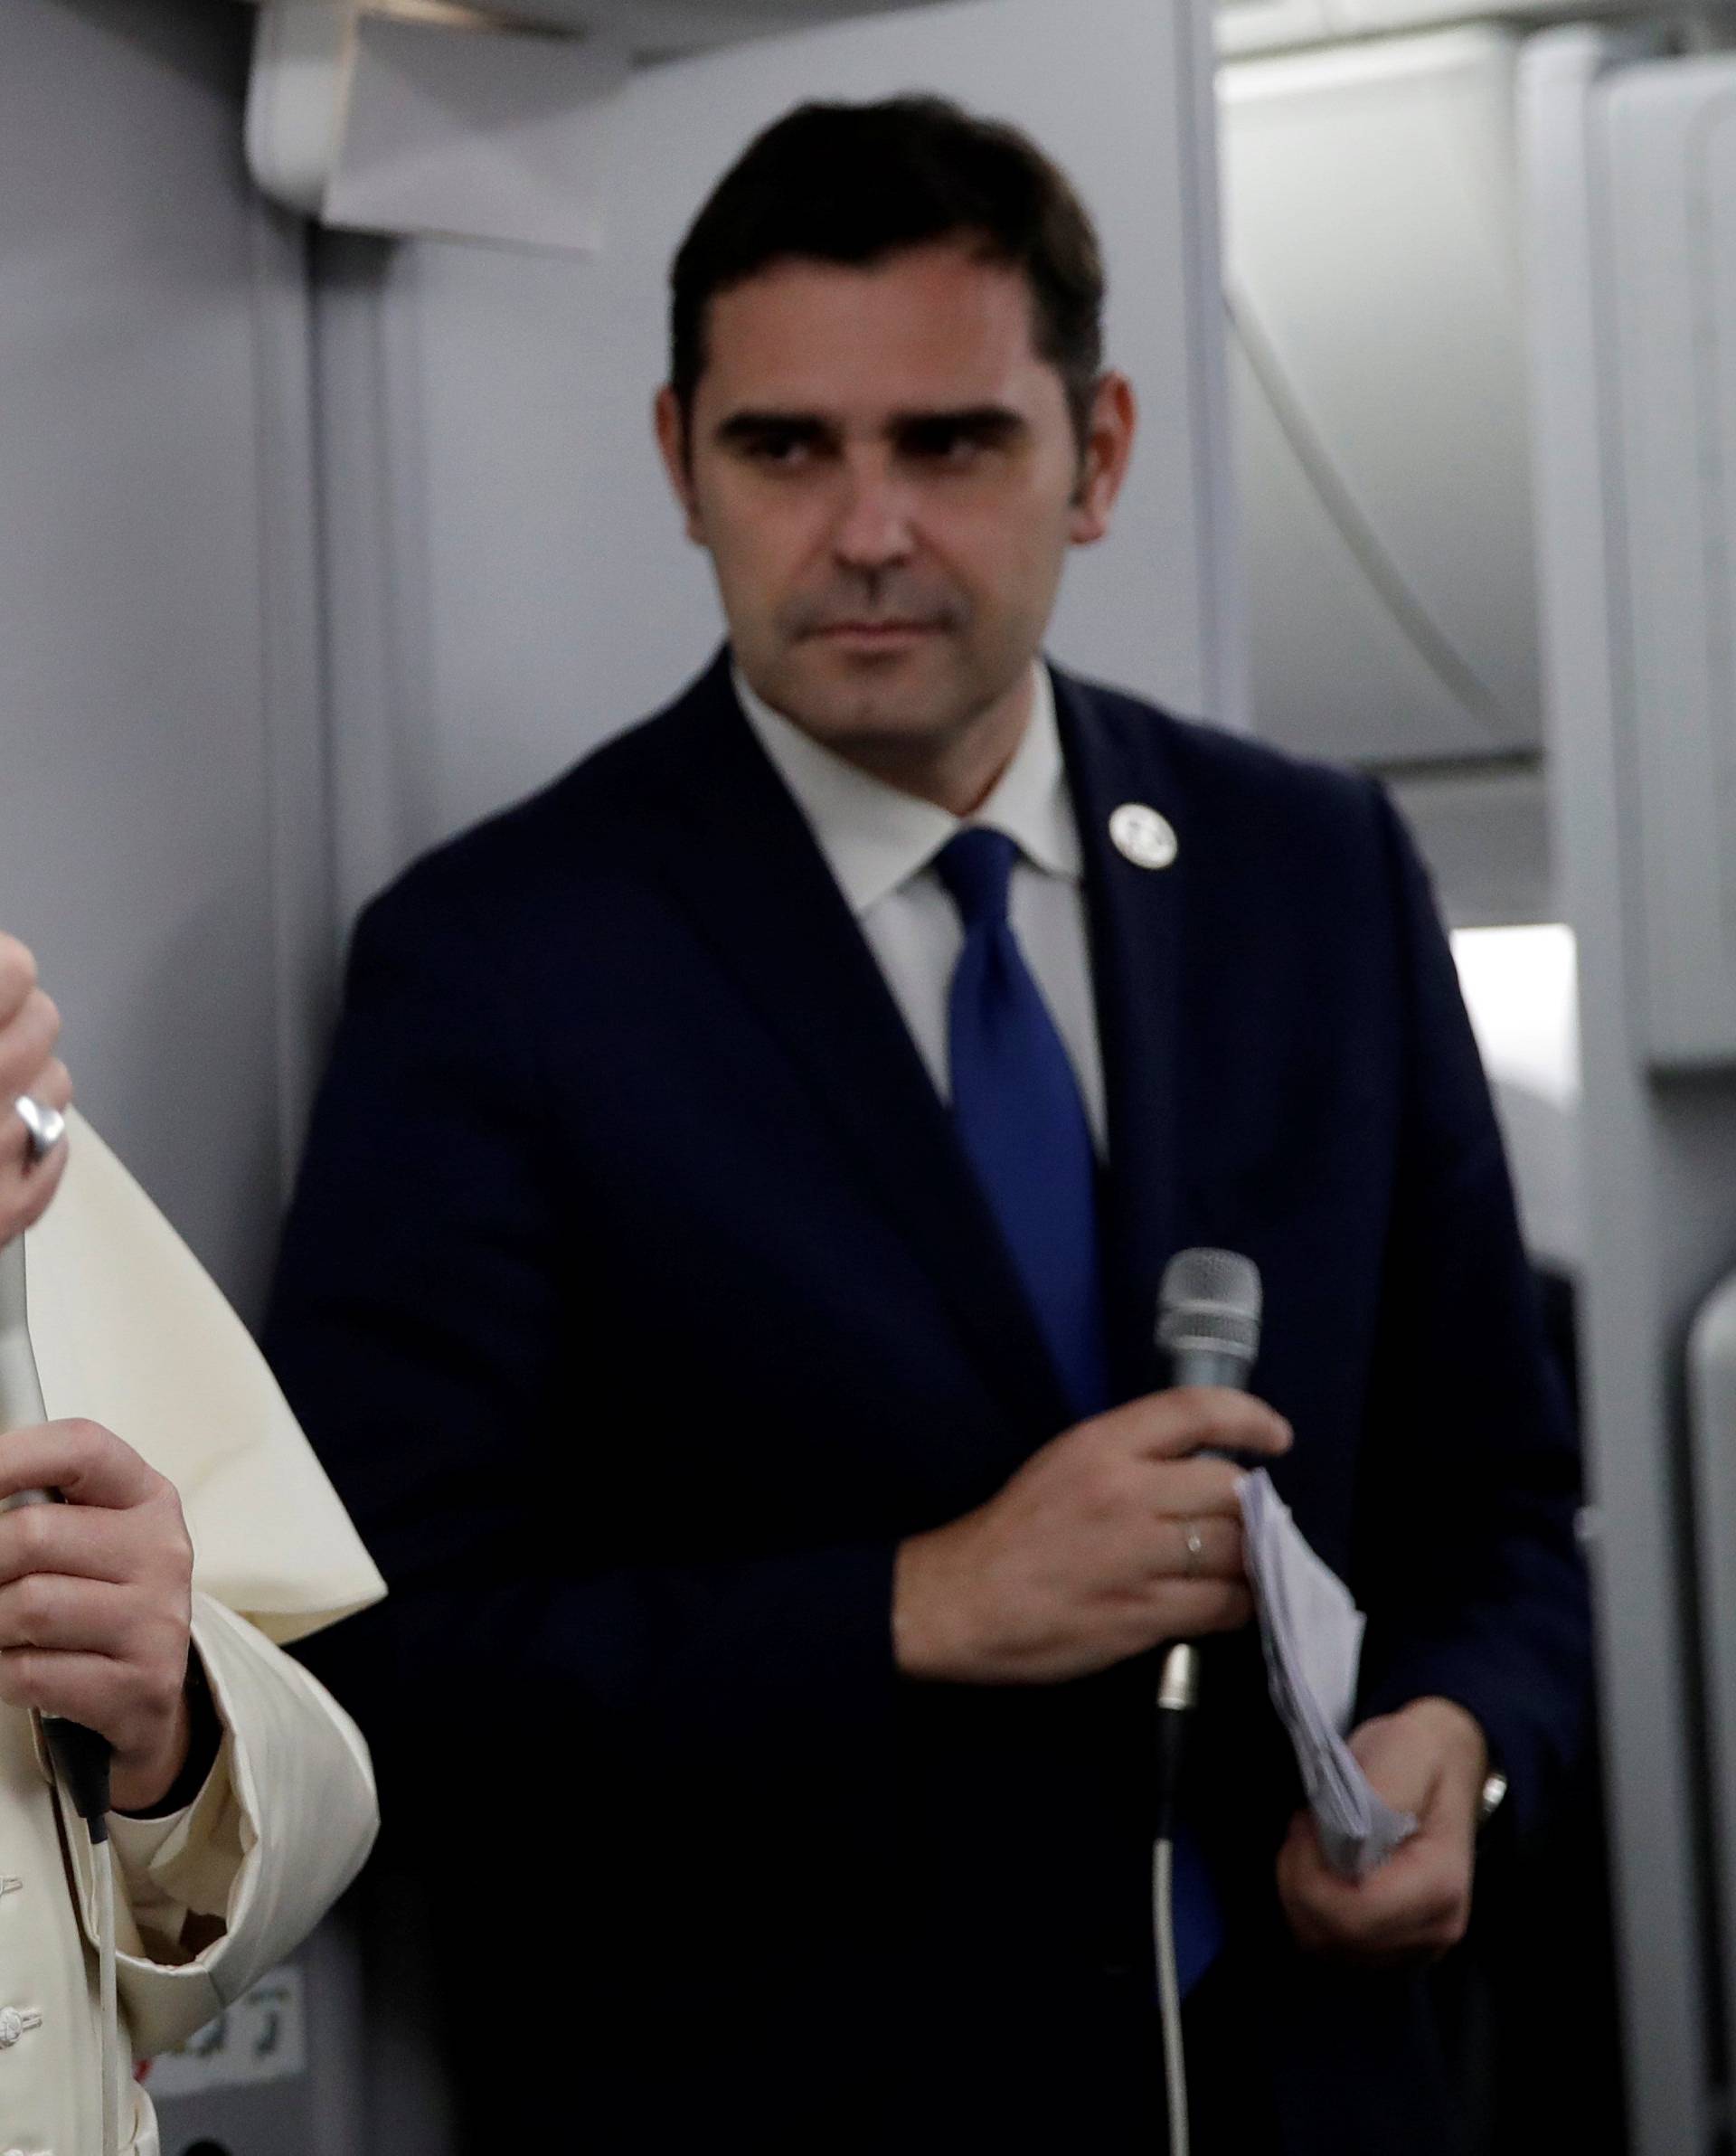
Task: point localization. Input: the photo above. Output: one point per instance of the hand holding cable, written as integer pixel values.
(48, 1646)
(96, 1600)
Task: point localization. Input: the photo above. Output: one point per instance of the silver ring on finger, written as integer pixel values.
(1194, 1543)
(44, 1126)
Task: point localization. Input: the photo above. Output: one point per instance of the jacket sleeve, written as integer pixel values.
(283, 1824)
(434, 1323)
(1467, 1558)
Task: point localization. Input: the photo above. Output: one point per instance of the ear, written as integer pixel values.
(1108, 451)
(672, 444)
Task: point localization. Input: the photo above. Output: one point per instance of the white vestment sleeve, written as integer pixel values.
(283, 1824)
(129, 1331)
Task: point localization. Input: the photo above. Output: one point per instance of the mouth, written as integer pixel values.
(876, 636)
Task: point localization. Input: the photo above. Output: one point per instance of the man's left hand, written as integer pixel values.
(96, 1600)
(1430, 1759)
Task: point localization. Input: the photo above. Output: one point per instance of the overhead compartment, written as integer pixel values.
(1375, 296)
(474, 122)
(653, 27)
(1249, 26)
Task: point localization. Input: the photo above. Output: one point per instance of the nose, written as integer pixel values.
(873, 529)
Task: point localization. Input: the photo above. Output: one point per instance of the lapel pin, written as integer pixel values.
(1143, 836)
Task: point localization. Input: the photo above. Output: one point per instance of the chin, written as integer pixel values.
(873, 722)
(887, 700)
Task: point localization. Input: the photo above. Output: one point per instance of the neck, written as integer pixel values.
(960, 772)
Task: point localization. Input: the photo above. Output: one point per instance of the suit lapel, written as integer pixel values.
(759, 892)
(1116, 754)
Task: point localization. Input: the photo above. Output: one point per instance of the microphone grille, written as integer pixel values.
(1210, 1299)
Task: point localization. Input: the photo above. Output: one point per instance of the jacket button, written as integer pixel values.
(12, 2026)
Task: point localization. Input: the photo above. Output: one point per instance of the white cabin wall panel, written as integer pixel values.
(1371, 226)
(373, 540)
(1672, 134)
(1333, 671)
(1484, 832)
(1630, 499)
(139, 838)
(562, 600)
(1668, 143)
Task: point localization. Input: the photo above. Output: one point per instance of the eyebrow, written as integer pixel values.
(993, 425)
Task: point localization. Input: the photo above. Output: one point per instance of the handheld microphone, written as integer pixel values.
(81, 1754)
(1208, 1318)
(1208, 1324)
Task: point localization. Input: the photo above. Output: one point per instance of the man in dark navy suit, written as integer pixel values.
(722, 1283)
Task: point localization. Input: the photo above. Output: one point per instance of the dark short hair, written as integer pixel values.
(855, 183)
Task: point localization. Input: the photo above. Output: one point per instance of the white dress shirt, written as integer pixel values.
(881, 845)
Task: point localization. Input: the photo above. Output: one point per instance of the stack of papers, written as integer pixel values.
(1312, 1632)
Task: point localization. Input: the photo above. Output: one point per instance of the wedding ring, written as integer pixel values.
(1195, 1544)
(45, 1126)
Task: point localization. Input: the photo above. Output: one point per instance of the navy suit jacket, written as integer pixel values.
(639, 1300)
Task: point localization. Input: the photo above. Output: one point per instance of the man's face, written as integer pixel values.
(887, 479)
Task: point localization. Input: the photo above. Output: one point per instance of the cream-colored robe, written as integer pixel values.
(130, 1332)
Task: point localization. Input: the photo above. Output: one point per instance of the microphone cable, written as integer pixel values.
(1178, 1687)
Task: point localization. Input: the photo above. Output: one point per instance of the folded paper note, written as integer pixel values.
(1312, 1632)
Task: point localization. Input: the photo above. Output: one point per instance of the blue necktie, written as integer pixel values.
(1017, 1111)
(1017, 1107)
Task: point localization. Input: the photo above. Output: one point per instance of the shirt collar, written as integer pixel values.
(874, 837)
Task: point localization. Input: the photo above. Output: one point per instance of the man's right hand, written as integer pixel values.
(30, 1025)
(1084, 1559)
